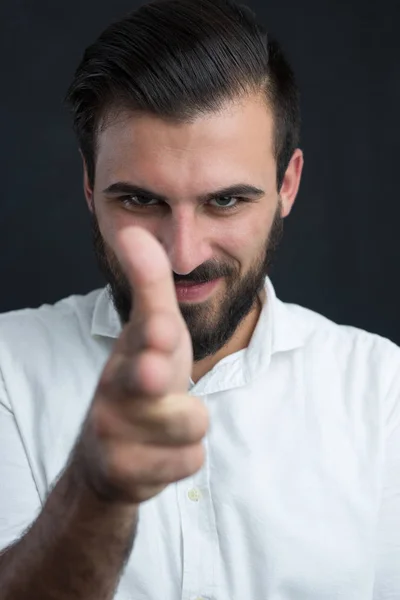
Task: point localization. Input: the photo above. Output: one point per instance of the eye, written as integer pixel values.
(221, 203)
(136, 201)
(226, 200)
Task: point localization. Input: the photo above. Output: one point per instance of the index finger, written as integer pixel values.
(147, 267)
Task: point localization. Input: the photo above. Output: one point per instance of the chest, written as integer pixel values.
(284, 507)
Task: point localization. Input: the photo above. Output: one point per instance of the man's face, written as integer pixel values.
(179, 165)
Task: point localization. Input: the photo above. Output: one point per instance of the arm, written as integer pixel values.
(76, 548)
(142, 432)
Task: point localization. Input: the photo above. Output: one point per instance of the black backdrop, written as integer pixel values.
(340, 254)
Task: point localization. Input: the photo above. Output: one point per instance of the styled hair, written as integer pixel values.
(178, 60)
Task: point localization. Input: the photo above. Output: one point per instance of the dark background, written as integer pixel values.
(340, 254)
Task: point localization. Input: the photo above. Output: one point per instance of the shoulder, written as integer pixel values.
(360, 363)
(345, 340)
(51, 344)
(52, 323)
(49, 366)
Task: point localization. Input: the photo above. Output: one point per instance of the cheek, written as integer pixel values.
(109, 225)
(246, 235)
(242, 241)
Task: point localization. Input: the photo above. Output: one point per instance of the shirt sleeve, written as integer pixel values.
(19, 498)
(387, 576)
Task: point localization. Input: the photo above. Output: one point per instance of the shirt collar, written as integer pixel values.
(105, 320)
(278, 329)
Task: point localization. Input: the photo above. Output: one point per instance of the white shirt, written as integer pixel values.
(299, 496)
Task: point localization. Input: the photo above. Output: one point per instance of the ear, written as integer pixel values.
(291, 182)
(86, 185)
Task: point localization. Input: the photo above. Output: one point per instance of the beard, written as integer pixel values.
(210, 326)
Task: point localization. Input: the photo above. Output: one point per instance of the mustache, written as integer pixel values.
(178, 279)
(203, 274)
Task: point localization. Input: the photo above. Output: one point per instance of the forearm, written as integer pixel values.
(76, 548)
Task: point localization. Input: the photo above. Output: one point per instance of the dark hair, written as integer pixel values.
(178, 59)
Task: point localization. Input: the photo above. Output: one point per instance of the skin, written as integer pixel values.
(183, 162)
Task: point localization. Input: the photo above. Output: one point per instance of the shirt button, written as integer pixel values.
(194, 495)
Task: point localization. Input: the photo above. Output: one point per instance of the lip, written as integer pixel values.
(187, 293)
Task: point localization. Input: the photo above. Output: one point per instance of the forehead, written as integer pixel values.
(236, 142)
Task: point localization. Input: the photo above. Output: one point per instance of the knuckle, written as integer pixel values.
(152, 372)
(100, 419)
(198, 418)
(107, 377)
(196, 458)
(165, 465)
(142, 373)
(178, 419)
(125, 465)
(188, 461)
(148, 372)
(187, 426)
(203, 418)
(128, 377)
(161, 331)
(118, 377)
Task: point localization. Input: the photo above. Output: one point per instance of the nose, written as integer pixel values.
(185, 240)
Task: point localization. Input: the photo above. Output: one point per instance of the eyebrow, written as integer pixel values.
(238, 189)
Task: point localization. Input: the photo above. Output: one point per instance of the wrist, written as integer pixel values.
(91, 483)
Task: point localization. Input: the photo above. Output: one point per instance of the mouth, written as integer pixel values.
(192, 291)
